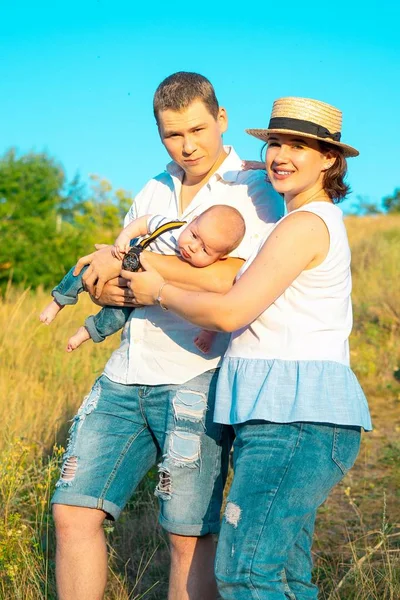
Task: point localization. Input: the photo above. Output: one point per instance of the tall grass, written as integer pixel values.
(357, 548)
(41, 387)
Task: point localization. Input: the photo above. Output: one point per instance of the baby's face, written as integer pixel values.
(200, 244)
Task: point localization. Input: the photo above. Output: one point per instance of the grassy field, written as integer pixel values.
(357, 546)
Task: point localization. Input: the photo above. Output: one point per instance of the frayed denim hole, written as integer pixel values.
(232, 514)
(68, 470)
(184, 449)
(68, 455)
(164, 487)
(189, 405)
(88, 405)
(90, 401)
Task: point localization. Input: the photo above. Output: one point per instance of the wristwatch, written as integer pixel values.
(131, 260)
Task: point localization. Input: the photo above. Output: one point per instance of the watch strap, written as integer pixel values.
(159, 231)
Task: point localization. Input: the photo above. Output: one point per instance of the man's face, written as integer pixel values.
(192, 138)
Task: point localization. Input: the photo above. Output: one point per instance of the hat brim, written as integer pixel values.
(262, 134)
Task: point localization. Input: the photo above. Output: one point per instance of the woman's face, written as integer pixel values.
(295, 164)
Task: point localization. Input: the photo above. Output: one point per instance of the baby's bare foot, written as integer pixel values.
(204, 340)
(50, 312)
(82, 335)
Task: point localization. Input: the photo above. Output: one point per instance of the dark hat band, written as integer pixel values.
(303, 127)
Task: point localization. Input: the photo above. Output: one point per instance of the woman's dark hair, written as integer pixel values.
(333, 181)
(262, 152)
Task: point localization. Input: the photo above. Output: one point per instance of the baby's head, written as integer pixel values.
(212, 235)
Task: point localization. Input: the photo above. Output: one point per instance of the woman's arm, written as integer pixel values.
(104, 267)
(218, 277)
(299, 242)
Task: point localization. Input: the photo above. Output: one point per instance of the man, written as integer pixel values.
(155, 399)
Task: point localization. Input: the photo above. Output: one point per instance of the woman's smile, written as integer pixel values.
(281, 173)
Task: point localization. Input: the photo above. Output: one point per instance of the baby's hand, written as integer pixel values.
(118, 252)
(121, 246)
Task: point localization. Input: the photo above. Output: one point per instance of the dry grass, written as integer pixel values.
(357, 548)
(41, 382)
(41, 386)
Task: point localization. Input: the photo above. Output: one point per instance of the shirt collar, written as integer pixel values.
(228, 171)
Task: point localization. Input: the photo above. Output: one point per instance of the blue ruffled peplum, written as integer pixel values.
(284, 391)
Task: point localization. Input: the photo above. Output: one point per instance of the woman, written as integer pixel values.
(285, 383)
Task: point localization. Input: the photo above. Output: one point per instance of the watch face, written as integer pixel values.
(131, 261)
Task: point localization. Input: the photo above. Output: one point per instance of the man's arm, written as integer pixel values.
(218, 277)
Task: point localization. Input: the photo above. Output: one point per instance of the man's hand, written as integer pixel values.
(116, 293)
(252, 165)
(103, 266)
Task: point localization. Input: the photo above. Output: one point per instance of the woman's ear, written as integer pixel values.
(329, 161)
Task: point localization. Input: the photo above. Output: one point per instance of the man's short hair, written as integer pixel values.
(180, 89)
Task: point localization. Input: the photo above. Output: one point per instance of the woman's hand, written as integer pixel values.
(146, 285)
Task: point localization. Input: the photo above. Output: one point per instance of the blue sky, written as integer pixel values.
(77, 78)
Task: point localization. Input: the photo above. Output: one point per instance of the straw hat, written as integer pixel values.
(311, 118)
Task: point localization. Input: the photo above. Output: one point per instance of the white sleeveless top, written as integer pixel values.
(312, 319)
(292, 362)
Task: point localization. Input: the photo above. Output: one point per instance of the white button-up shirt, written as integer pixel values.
(157, 347)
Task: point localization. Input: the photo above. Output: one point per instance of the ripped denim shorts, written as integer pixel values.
(121, 431)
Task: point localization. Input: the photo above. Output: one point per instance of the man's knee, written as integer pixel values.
(182, 545)
(76, 522)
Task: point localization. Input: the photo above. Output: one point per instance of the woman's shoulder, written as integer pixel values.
(301, 222)
(325, 210)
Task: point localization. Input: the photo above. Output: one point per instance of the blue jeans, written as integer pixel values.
(282, 474)
(121, 431)
(107, 321)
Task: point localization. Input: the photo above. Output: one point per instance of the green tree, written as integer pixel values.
(30, 192)
(47, 223)
(392, 203)
(29, 185)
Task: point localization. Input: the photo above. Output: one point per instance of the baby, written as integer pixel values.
(209, 237)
